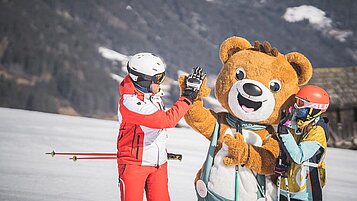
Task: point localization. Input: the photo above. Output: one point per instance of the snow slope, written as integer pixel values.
(26, 173)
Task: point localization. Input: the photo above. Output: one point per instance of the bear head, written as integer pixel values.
(257, 82)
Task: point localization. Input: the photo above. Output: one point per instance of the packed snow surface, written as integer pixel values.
(26, 173)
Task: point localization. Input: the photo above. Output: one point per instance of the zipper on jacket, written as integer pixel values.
(132, 141)
(137, 147)
(122, 172)
(158, 156)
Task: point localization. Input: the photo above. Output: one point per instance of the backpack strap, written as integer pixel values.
(313, 181)
(239, 125)
(313, 184)
(211, 151)
(261, 185)
(323, 122)
(318, 156)
(209, 162)
(201, 185)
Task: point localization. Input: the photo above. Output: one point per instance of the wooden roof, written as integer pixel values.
(340, 83)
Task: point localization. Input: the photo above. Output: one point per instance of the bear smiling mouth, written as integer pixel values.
(248, 105)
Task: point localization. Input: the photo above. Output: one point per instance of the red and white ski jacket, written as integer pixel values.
(143, 122)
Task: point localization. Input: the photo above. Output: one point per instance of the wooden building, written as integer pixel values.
(341, 84)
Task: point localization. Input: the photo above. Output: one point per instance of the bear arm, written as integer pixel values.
(201, 119)
(262, 159)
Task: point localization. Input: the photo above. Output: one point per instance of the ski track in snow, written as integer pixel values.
(26, 173)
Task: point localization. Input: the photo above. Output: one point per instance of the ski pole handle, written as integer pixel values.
(172, 156)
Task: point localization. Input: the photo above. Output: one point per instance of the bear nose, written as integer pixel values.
(252, 89)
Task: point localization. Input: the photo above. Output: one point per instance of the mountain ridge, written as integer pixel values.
(50, 48)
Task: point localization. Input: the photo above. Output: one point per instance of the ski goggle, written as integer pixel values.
(302, 103)
(158, 78)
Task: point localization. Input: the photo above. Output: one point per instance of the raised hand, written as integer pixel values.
(285, 121)
(193, 83)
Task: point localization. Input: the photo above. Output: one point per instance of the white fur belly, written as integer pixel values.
(222, 178)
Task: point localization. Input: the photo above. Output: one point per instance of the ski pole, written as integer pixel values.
(170, 156)
(287, 188)
(236, 183)
(75, 158)
(279, 180)
(53, 153)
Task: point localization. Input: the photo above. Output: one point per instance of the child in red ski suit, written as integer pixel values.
(142, 156)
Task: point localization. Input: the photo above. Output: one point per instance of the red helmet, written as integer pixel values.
(312, 97)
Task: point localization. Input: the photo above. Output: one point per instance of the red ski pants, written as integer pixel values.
(134, 179)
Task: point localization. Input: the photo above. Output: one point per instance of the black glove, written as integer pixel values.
(285, 119)
(281, 169)
(193, 83)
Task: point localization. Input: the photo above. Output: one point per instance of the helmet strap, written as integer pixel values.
(310, 114)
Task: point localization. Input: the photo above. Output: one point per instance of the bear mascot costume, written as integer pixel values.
(255, 83)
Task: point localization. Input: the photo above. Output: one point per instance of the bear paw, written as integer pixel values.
(237, 148)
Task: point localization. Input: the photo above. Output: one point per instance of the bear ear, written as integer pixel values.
(232, 45)
(301, 65)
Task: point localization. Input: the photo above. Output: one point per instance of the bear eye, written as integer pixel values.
(240, 74)
(275, 85)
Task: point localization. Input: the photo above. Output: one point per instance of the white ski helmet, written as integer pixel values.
(144, 67)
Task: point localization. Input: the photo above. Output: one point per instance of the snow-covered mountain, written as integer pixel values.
(26, 173)
(62, 56)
